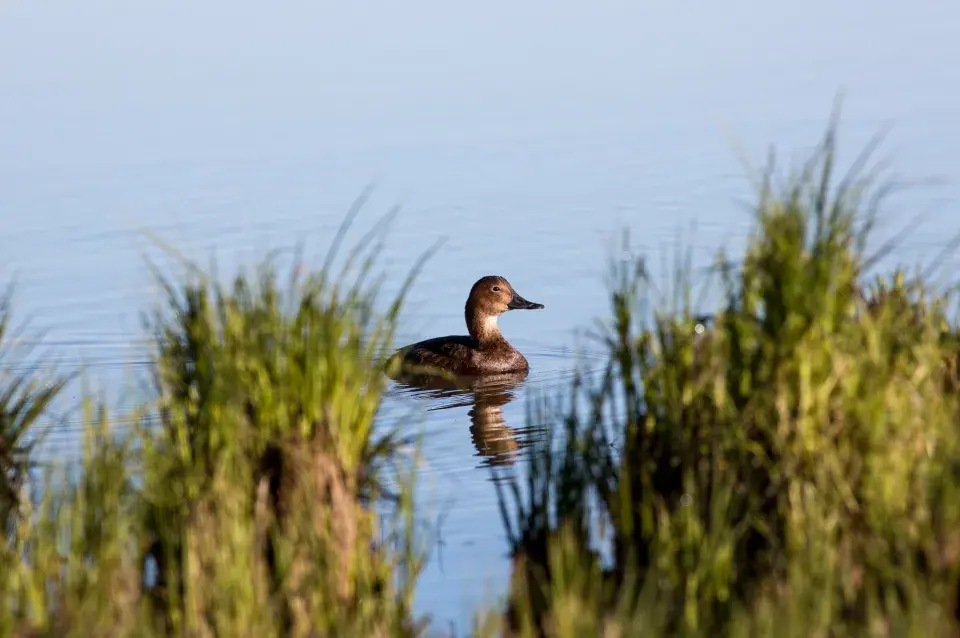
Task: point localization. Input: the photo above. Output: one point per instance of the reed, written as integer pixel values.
(240, 501)
(27, 389)
(788, 468)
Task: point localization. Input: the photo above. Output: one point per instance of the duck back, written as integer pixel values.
(462, 354)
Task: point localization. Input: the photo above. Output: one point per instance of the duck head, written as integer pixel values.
(493, 295)
(489, 298)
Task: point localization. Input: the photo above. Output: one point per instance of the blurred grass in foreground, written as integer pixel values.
(789, 468)
(248, 511)
(26, 391)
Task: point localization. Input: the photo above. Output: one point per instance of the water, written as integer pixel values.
(526, 136)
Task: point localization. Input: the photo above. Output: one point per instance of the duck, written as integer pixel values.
(484, 350)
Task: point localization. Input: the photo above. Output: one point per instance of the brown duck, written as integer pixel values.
(484, 350)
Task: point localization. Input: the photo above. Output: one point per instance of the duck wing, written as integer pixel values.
(446, 347)
(443, 352)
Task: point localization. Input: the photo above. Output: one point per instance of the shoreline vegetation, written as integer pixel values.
(789, 468)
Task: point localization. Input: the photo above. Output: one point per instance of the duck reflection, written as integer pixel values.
(496, 442)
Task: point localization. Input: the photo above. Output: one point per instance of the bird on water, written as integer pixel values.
(484, 350)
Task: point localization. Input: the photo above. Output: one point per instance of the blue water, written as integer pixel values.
(524, 136)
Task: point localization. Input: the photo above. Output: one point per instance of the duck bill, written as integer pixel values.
(519, 303)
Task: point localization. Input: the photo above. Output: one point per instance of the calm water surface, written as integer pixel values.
(526, 137)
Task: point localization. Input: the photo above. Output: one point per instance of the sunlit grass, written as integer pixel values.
(789, 470)
(247, 507)
(26, 391)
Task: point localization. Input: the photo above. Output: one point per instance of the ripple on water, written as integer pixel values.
(493, 408)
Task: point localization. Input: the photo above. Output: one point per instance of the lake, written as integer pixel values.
(526, 137)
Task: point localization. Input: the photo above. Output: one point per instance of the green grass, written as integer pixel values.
(790, 470)
(26, 391)
(790, 467)
(250, 496)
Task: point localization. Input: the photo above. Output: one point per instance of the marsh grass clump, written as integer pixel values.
(27, 389)
(241, 499)
(796, 459)
(71, 565)
(269, 398)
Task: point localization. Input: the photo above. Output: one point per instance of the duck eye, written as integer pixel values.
(496, 289)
